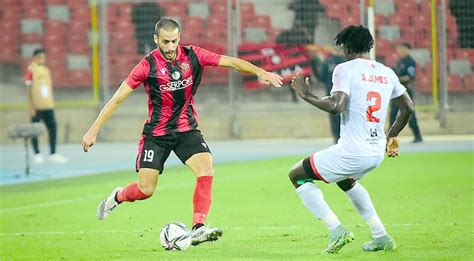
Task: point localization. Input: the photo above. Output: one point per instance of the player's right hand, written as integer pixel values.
(393, 147)
(88, 140)
(268, 78)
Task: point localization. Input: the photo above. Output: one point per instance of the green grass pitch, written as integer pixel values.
(424, 199)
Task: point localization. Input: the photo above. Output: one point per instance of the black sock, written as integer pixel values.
(116, 198)
(197, 225)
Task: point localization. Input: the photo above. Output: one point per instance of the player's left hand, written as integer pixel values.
(270, 78)
(393, 147)
(300, 85)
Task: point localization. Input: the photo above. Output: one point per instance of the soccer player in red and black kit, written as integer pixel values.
(171, 75)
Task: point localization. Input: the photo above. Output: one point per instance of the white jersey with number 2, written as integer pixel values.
(370, 85)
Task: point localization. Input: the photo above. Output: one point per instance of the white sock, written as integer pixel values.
(361, 201)
(313, 200)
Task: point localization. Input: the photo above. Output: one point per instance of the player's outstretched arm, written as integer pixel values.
(90, 137)
(335, 104)
(243, 66)
(406, 108)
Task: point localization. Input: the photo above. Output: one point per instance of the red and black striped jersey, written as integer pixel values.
(170, 86)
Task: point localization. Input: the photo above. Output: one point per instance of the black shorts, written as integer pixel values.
(154, 151)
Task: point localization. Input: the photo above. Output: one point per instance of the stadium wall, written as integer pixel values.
(256, 121)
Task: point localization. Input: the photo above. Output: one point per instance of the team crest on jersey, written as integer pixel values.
(175, 75)
(184, 67)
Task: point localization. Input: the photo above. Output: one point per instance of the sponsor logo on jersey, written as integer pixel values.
(177, 85)
(184, 66)
(374, 78)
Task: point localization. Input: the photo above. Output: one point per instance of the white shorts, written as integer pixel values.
(330, 165)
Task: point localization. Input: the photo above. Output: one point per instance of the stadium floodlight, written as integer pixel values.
(26, 131)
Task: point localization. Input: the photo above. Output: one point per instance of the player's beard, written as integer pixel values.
(169, 55)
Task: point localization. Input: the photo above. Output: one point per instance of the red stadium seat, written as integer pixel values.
(380, 19)
(175, 8)
(218, 7)
(465, 53)
(31, 2)
(34, 12)
(31, 38)
(468, 82)
(423, 84)
(81, 78)
(247, 8)
(454, 83)
(53, 2)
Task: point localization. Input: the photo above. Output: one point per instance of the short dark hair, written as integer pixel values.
(38, 51)
(406, 45)
(167, 24)
(357, 39)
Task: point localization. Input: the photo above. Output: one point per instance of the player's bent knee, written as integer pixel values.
(206, 172)
(297, 175)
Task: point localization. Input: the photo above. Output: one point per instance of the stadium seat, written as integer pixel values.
(380, 20)
(54, 2)
(247, 8)
(58, 13)
(218, 8)
(460, 67)
(465, 53)
(406, 8)
(386, 7)
(455, 83)
(468, 82)
(201, 10)
(423, 84)
(389, 32)
(80, 78)
(175, 8)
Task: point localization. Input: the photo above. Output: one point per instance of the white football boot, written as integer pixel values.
(107, 205)
(204, 234)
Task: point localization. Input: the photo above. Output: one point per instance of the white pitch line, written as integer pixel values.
(117, 231)
(74, 200)
(48, 204)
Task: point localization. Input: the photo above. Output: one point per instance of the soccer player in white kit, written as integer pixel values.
(361, 92)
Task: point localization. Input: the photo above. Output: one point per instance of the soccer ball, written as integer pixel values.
(175, 236)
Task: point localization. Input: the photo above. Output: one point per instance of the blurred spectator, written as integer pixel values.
(306, 15)
(406, 72)
(325, 76)
(463, 10)
(144, 17)
(41, 104)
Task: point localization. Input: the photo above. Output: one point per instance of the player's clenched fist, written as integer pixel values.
(393, 147)
(88, 140)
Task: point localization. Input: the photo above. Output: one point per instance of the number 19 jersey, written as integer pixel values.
(370, 85)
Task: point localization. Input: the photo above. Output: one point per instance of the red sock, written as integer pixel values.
(131, 193)
(202, 199)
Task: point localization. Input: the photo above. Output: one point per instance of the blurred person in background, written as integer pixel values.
(171, 74)
(325, 76)
(39, 90)
(144, 17)
(406, 72)
(306, 16)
